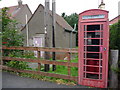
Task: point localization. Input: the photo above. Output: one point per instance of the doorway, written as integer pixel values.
(38, 42)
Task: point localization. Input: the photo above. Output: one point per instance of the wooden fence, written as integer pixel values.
(39, 61)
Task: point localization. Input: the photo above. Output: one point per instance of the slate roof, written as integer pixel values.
(14, 10)
(114, 20)
(59, 19)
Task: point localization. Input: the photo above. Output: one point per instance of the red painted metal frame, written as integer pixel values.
(102, 83)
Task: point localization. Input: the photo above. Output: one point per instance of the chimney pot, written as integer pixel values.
(19, 3)
(102, 5)
(53, 1)
(47, 0)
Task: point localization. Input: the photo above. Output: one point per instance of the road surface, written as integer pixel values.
(14, 81)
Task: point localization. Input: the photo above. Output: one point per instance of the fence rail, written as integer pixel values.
(41, 61)
(73, 50)
(42, 73)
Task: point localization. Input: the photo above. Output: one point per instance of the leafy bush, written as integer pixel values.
(115, 42)
(17, 64)
(11, 36)
(20, 54)
(115, 36)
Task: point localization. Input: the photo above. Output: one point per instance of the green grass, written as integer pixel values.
(64, 70)
(59, 70)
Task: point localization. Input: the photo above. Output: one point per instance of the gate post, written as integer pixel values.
(39, 64)
(69, 61)
(113, 65)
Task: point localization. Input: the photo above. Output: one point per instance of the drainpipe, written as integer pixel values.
(27, 30)
(71, 35)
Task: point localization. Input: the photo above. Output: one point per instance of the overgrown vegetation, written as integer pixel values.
(11, 36)
(115, 42)
(115, 36)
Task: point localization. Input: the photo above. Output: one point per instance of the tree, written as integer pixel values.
(11, 35)
(115, 42)
(115, 36)
(72, 20)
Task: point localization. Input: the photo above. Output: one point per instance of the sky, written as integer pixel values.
(69, 6)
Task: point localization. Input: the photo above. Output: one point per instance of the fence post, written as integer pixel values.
(2, 56)
(114, 65)
(39, 64)
(69, 61)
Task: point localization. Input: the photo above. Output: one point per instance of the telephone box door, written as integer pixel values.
(93, 54)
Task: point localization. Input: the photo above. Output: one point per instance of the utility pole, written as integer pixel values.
(53, 30)
(46, 22)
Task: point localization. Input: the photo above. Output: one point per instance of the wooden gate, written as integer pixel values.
(69, 64)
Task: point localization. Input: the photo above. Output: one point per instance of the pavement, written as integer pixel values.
(14, 81)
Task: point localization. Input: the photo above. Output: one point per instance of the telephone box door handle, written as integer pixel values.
(104, 49)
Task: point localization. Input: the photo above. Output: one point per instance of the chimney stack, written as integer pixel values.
(19, 3)
(47, 4)
(102, 5)
(53, 11)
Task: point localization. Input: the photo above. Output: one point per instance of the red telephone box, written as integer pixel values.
(93, 38)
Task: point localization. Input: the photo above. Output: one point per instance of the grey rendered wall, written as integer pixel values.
(74, 40)
(21, 16)
(61, 36)
(35, 25)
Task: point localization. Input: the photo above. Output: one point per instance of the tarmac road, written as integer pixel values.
(14, 81)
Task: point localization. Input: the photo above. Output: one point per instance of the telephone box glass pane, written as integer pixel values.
(92, 76)
(92, 69)
(92, 48)
(93, 28)
(93, 42)
(93, 35)
(92, 55)
(92, 62)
